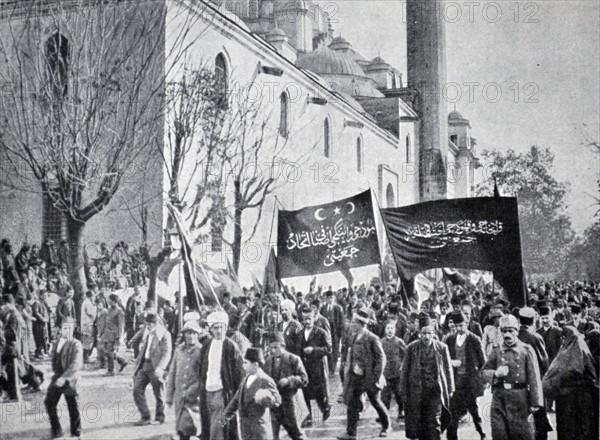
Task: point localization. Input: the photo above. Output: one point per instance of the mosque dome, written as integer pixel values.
(326, 61)
(339, 43)
(455, 115)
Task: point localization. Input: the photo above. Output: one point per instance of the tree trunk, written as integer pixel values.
(237, 227)
(75, 230)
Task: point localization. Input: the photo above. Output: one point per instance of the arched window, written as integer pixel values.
(57, 60)
(284, 114)
(390, 198)
(327, 138)
(359, 155)
(221, 77)
(407, 148)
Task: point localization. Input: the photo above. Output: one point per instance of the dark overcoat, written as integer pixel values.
(410, 384)
(253, 415)
(316, 362)
(232, 373)
(474, 360)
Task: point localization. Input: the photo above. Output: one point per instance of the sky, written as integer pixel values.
(543, 57)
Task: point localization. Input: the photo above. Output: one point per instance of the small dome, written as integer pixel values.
(378, 60)
(329, 62)
(339, 43)
(339, 39)
(455, 115)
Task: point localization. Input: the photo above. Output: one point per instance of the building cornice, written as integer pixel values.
(261, 48)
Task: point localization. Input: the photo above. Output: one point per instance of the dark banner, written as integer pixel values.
(474, 233)
(327, 238)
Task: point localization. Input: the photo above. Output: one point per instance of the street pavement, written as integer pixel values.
(108, 412)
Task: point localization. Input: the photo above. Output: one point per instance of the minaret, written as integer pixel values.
(426, 58)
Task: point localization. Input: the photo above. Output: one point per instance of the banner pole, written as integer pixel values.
(403, 292)
(180, 306)
(275, 210)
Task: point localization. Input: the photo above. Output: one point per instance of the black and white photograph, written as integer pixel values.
(299, 219)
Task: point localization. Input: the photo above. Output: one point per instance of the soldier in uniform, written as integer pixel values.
(528, 335)
(513, 371)
(183, 384)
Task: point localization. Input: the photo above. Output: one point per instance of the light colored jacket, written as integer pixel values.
(160, 349)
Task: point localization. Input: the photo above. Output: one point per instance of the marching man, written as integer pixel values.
(516, 384)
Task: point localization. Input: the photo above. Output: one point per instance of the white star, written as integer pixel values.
(337, 210)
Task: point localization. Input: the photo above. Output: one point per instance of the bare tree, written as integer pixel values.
(194, 153)
(83, 93)
(256, 164)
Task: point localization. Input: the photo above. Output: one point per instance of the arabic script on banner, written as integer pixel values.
(463, 231)
(340, 239)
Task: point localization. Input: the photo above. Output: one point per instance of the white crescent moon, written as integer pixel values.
(352, 207)
(213, 279)
(317, 216)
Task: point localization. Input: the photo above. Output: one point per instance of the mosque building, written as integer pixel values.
(347, 122)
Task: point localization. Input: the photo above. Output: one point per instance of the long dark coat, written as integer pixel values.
(539, 346)
(410, 384)
(253, 416)
(551, 339)
(373, 362)
(474, 360)
(232, 373)
(316, 362)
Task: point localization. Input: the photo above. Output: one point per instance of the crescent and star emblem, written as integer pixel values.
(318, 216)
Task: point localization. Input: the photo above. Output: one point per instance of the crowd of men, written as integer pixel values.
(228, 364)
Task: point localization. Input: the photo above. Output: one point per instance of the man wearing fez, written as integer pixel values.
(335, 315)
(289, 374)
(151, 363)
(320, 320)
(365, 363)
(582, 325)
(67, 361)
(221, 373)
(256, 393)
(183, 384)
(513, 371)
(290, 327)
(426, 383)
(467, 358)
(314, 345)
